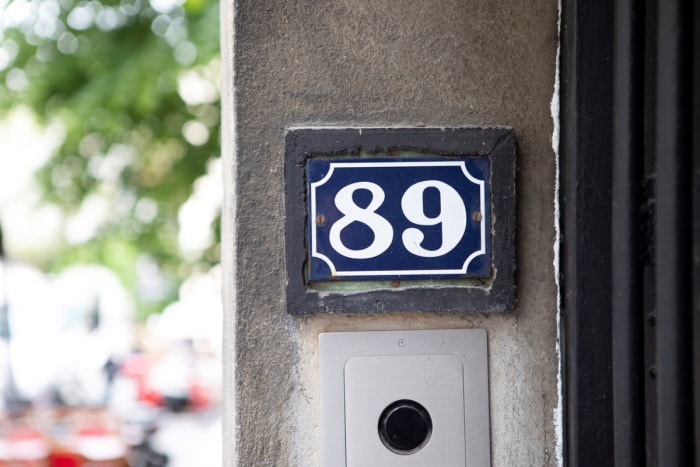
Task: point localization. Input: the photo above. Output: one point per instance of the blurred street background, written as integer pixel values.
(110, 197)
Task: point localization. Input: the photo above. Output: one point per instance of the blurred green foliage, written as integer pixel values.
(135, 85)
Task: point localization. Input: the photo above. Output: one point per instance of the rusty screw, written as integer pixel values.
(321, 220)
(477, 217)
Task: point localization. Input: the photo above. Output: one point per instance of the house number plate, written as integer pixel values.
(399, 217)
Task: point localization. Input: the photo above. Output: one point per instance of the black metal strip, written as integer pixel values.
(696, 223)
(649, 306)
(627, 255)
(673, 237)
(586, 168)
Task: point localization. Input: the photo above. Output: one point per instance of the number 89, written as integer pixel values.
(452, 216)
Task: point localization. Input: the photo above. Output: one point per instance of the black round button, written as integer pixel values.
(405, 427)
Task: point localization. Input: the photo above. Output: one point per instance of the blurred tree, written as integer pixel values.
(134, 84)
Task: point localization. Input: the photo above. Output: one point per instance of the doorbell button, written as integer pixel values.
(405, 427)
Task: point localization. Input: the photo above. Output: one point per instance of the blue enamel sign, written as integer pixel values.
(399, 217)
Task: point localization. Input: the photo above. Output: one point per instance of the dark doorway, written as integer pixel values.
(630, 195)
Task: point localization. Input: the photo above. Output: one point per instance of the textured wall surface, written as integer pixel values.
(379, 63)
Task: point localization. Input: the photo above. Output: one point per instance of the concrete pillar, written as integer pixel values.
(379, 63)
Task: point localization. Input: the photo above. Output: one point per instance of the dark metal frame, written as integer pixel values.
(586, 186)
(496, 143)
(629, 258)
(673, 232)
(631, 223)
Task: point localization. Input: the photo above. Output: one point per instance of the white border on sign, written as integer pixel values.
(342, 165)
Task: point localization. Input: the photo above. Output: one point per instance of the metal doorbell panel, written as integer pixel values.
(404, 398)
(434, 382)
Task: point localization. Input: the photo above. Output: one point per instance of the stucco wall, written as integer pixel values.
(379, 63)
